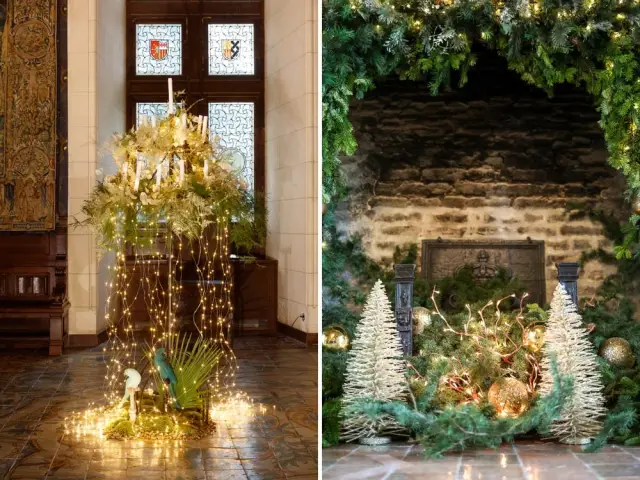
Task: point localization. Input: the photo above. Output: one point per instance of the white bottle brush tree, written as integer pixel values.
(566, 338)
(375, 371)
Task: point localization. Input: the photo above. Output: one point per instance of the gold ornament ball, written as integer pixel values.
(535, 338)
(509, 397)
(421, 319)
(335, 338)
(617, 351)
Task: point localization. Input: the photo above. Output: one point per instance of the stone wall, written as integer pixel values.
(494, 160)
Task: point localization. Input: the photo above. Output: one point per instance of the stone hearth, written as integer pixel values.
(495, 160)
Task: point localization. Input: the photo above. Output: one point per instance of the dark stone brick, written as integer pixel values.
(487, 230)
(563, 245)
(580, 230)
(528, 217)
(400, 217)
(399, 230)
(582, 244)
(451, 218)
(383, 201)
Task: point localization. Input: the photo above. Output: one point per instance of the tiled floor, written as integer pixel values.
(39, 392)
(524, 460)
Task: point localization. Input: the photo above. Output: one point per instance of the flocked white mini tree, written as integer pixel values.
(566, 338)
(375, 370)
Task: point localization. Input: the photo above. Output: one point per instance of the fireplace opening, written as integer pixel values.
(496, 160)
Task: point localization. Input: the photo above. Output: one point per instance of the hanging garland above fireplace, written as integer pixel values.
(590, 43)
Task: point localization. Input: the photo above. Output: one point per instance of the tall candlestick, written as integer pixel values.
(206, 167)
(199, 128)
(136, 184)
(153, 121)
(183, 117)
(171, 110)
(181, 171)
(204, 128)
(125, 171)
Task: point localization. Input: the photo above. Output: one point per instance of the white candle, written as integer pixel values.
(206, 167)
(199, 124)
(184, 120)
(138, 172)
(171, 96)
(125, 171)
(158, 174)
(153, 121)
(181, 171)
(204, 128)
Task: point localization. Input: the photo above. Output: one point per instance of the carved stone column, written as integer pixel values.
(568, 277)
(405, 274)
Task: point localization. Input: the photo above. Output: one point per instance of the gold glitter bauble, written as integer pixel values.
(618, 352)
(534, 336)
(509, 397)
(335, 338)
(421, 319)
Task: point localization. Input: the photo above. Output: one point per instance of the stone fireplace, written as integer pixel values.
(494, 161)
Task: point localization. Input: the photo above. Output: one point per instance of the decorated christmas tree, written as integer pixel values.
(375, 371)
(567, 341)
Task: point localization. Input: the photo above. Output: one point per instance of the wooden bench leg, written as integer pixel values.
(55, 335)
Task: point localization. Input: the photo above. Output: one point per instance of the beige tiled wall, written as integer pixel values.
(91, 24)
(292, 155)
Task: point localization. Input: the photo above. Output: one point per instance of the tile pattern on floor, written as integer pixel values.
(39, 392)
(520, 461)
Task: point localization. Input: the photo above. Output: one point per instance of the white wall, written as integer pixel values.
(292, 155)
(93, 26)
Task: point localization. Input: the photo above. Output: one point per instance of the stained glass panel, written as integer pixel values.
(159, 49)
(231, 49)
(158, 110)
(233, 123)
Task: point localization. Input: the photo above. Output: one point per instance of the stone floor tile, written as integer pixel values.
(624, 470)
(227, 475)
(40, 392)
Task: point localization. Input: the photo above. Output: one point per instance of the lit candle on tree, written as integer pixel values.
(171, 108)
(204, 128)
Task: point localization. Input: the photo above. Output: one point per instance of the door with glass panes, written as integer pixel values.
(213, 50)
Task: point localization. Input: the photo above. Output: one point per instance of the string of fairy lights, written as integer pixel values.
(146, 285)
(498, 337)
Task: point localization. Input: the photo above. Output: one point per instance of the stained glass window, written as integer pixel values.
(233, 123)
(231, 49)
(159, 49)
(158, 110)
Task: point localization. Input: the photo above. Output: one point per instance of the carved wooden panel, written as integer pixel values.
(524, 259)
(28, 106)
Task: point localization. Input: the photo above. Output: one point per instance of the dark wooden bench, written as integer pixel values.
(34, 308)
(53, 312)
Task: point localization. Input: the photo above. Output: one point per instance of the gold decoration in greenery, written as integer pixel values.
(618, 352)
(335, 338)
(509, 397)
(421, 319)
(535, 338)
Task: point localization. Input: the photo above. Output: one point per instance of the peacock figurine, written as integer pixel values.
(167, 375)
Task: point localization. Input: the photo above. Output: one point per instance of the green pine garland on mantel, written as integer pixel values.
(590, 43)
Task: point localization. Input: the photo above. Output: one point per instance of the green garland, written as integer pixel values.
(590, 43)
